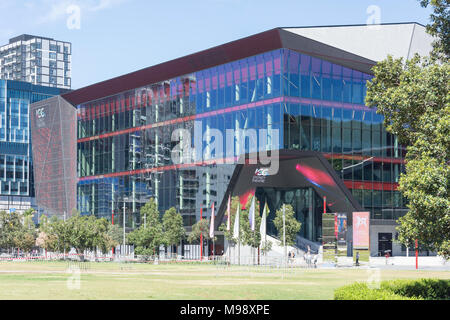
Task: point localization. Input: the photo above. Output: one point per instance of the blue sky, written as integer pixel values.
(120, 36)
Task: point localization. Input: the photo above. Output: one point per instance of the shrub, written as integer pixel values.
(427, 289)
(423, 289)
(360, 291)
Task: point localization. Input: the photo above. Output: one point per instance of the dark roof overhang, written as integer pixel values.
(262, 42)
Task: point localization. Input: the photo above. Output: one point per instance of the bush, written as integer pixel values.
(427, 289)
(360, 291)
(423, 289)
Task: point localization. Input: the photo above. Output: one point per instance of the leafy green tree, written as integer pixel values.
(223, 227)
(249, 237)
(147, 239)
(46, 241)
(24, 240)
(199, 228)
(25, 235)
(292, 225)
(173, 227)
(56, 236)
(29, 212)
(413, 96)
(10, 227)
(266, 247)
(43, 223)
(115, 233)
(440, 26)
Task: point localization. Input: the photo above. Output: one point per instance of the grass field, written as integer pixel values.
(49, 280)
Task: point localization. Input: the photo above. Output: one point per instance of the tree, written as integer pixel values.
(29, 212)
(57, 235)
(413, 97)
(440, 26)
(199, 228)
(292, 225)
(173, 227)
(25, 235)
(115, 233)
(249, 237)
(10, 227)
(25, 240)
(147, 239)
(223, 227)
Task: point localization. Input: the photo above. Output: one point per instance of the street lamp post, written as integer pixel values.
(124, 199)
(284, 232)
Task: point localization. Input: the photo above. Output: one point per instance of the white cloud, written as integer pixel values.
(106, 4)
(57, 9)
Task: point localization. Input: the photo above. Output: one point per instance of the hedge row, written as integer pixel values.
(423, 289)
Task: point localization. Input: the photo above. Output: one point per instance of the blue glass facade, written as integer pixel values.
(15, 148)
(301, 102)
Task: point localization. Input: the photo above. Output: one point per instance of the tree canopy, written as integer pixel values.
(440, 26)
(292, 225)
(413, 96)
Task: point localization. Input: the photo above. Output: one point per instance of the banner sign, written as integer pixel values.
(341, 230)
(361, 224)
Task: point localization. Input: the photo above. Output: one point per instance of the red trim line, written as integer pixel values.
(369, 185)
(188, 118)
(164, 168)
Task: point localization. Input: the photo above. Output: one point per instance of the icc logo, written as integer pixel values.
(40, 113)
(262, 172)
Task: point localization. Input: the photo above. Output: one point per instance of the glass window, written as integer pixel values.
(326, 80)
(294, 82)
(305, 65)
(337, 83)
(337, 142)
(316, 78)
(357, 96)
(347, 85)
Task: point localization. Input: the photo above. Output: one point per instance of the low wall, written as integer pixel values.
(410, 261)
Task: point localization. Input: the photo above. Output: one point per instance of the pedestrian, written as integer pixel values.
(357, 258)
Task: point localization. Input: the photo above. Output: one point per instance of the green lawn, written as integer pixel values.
(49, 280)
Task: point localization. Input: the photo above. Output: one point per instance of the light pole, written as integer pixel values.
(64, 244)
(284, 232)
(124, 199)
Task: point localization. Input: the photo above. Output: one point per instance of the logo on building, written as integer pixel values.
(40, 117)
(260, 175)
(40, 113)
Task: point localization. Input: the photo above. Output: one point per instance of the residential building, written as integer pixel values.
(38, 60)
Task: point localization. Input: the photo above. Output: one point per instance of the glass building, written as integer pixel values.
(314, 104)
(16, 178)
(296, 92)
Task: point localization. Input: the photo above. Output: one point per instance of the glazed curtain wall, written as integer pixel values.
(248, 80)
(326, 113)
(315, 105)
(15, 147)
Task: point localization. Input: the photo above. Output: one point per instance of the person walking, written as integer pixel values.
(357, 258)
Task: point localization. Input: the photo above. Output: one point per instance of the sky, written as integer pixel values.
(114, 37)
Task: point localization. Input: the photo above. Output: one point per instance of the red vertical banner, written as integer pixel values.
(335, 226)
(361, 231)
